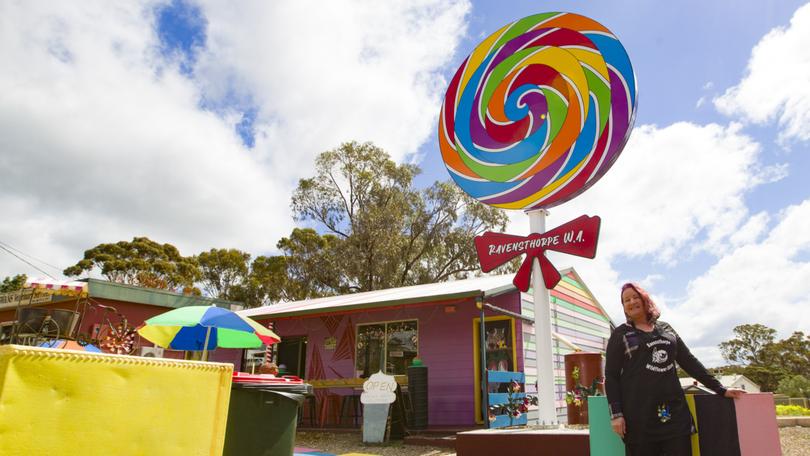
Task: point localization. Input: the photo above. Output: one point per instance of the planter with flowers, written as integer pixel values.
(513, 410)
(578, 397)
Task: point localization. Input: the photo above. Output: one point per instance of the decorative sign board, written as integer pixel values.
(577, 237)
(16, 298)
(378, 394)
(379, 389)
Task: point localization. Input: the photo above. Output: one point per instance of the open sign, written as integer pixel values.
(379, 389)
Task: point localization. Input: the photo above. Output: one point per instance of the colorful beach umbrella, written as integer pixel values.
(205, 328)
(70, 345)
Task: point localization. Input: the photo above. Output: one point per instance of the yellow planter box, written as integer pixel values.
(60, 402)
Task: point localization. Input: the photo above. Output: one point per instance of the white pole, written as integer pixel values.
(546, 392)
(205, 346)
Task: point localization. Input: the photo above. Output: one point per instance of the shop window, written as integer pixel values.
(389, 347)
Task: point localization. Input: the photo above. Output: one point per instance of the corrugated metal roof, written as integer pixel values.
(97, 288)
(153, 296)
(489, 286)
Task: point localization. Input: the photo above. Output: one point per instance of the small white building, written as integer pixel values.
(729, 381)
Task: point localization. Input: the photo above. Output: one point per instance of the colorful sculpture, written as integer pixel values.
(538, 112)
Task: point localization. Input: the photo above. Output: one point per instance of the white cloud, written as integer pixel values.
(327, 72)
(766, 282)
(100, 142)
(751, 230)
(776, 84)
(102, 139)
(674, 191)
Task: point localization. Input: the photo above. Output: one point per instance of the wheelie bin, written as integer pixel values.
(263, 414)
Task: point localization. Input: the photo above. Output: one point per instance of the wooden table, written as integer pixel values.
(329, 405)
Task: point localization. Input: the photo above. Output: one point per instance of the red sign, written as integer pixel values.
(577, 237)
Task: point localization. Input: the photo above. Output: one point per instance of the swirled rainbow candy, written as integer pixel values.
(538, 112)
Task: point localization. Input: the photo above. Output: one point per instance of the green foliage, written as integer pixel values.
(311, 265)
(381, 232)
(264, 284)
(792, 410)
(794, 386)
(764, 360)
(13, 283)
(748, 343)
(221, 270)
(579, 394)
(141, 262)
(516, 404)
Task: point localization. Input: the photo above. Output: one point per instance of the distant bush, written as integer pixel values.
(792, 410)
(794, 386)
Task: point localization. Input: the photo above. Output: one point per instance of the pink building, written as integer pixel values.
(335, 342)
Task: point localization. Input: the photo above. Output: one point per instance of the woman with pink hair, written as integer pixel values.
(648, 408)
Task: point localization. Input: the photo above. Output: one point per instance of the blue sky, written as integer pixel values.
(191, 122)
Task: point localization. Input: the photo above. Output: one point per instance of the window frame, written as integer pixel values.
(385, 346)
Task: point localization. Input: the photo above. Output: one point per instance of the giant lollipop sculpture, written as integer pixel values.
(536, 114)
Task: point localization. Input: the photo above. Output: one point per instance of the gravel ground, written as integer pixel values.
(795, 442)
(351, 442)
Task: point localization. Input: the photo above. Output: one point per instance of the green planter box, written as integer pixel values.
(604, 442)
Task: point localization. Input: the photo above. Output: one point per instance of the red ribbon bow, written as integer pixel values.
(577, 237)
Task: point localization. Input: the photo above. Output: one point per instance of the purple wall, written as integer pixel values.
(445, 347)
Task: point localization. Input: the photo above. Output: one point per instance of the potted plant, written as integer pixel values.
(578, 396)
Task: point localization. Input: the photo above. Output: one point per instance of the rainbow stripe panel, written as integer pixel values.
(538, 112)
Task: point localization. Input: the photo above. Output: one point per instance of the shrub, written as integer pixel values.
(795, 386)
(792, 410)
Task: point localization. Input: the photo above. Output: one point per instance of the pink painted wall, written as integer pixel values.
(445, 347)
(756, 425)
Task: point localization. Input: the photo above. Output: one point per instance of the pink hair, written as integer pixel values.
(649, 306)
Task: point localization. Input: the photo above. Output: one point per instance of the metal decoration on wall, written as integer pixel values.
(332, 322)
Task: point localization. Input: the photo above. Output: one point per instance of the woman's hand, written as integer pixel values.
(734, 393)
(618, 426)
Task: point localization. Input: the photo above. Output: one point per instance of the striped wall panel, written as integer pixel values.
(574, 315)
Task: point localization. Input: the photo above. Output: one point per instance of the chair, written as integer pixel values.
(329, 410)
(308, 410)
(350, 408)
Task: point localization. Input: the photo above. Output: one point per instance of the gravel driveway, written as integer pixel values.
(795, 442)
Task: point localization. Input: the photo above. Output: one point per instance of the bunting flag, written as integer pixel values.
(332, 322)
(58, 287)
(345, 347)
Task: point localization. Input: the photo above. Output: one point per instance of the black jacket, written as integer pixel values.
(642, 385)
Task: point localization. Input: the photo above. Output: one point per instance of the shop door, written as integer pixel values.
(292, 353)
(499, 346)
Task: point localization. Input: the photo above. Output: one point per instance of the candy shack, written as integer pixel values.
(335, 343)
